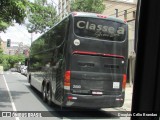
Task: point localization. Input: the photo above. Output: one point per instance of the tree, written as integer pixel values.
(13, 59)
(8, 61)
(42, 17)
(1, 51)
(12, 11)
(95, 6)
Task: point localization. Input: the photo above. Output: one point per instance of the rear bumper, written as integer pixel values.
(90, 101)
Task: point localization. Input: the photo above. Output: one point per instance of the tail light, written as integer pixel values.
(67, 79)
(74, 13)
(101, 16)
(125, 21)
(124, 81)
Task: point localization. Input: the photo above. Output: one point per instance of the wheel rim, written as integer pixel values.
(44, 92)
(49, 95)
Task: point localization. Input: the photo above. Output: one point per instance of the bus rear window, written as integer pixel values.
(99, 29)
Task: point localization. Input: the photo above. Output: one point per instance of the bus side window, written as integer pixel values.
(51, 39)
(55, 52)
(61, 30)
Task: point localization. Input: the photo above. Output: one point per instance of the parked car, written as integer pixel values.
(13, 70)
(21, 67)
(24, 70)
(17, 66)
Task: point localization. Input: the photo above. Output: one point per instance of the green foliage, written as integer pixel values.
(15, 59)
(1, 59)
(3, 25)
(8, 61)
(5, 63)
(37, 46)
(1, 50)
(12, 10)
(95, 6)
(42, 16)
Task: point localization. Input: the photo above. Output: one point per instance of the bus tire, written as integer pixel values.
(29, 80)
(31, 85)
(44, 93)
(49, 95)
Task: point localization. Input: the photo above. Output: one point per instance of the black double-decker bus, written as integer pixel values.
(81, 62)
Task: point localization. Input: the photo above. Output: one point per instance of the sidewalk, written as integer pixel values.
(1, 70)
(128, 98)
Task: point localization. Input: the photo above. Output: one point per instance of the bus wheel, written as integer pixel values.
(44, 93)
(49, 95)
(29, 80)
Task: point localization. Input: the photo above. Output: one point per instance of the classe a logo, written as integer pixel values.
(106, 29)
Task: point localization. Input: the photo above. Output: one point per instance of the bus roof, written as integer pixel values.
(96, 15)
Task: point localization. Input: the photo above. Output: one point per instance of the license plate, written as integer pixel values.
(97, 93)
(116, 85)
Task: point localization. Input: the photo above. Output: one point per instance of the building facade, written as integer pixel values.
(63, 8)
(16, 48)
(120, 9)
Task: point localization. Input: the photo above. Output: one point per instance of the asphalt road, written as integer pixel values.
(17, 95)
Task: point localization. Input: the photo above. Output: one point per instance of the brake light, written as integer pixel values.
(101, 16)
(124, 81)
(125, 21)
(84, 53)
(74, 13)
(98, 54)
(72, 98)
(67, 78)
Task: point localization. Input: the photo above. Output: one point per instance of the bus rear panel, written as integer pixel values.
(97, 62)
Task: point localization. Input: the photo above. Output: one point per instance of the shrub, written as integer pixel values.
(8, 61)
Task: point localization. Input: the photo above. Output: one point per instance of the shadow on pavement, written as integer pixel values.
(15, 95)
(71, 113)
